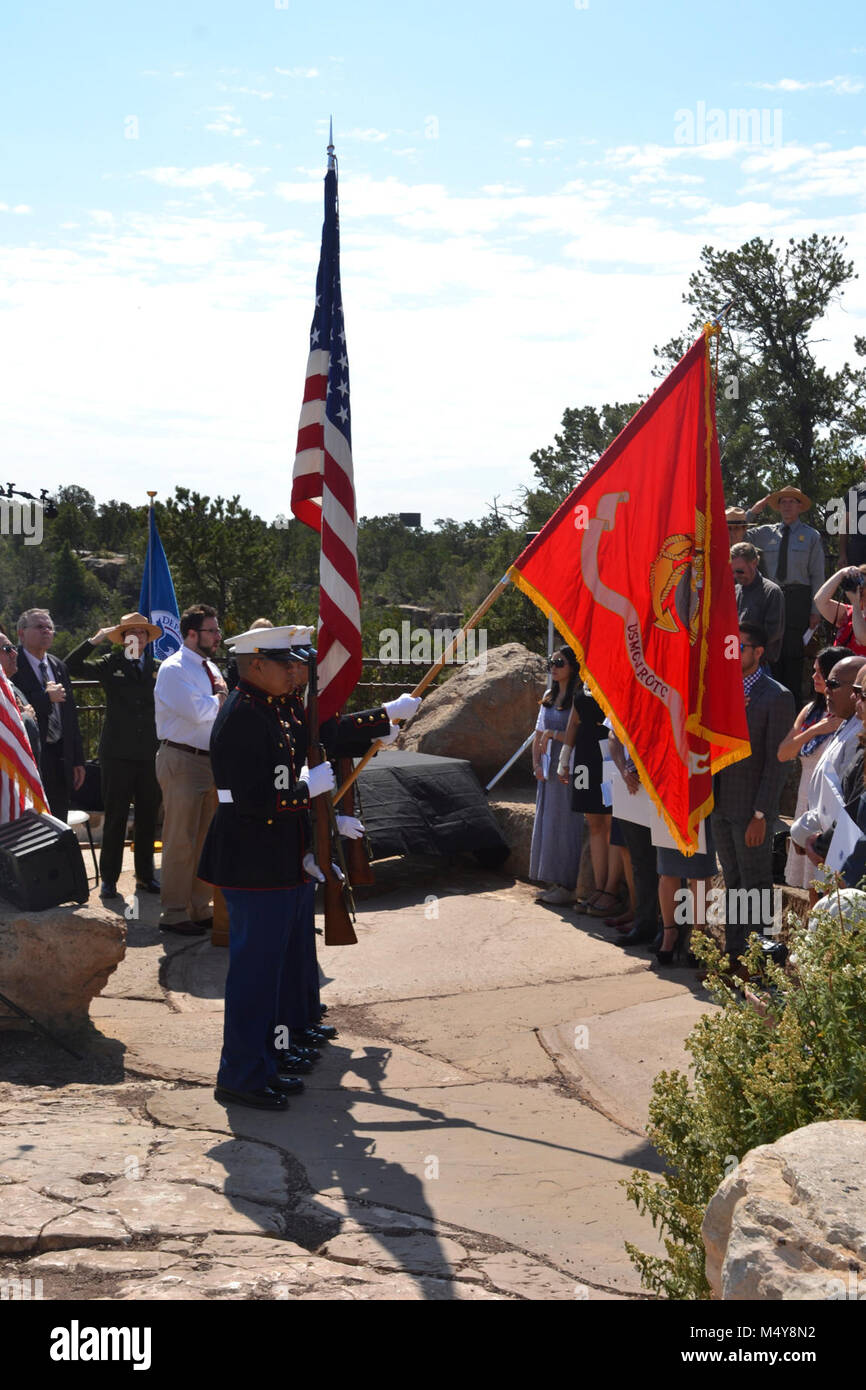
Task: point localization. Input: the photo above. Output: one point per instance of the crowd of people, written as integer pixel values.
(639, 889)
(229, 769)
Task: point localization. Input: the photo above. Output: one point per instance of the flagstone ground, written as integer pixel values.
(464, 1137)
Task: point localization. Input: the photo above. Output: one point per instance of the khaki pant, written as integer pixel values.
(189, 801)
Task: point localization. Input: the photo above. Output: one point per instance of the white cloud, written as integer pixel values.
(524, 143)
(300, 72)
(246, 91)
(842, 86)
(231, 177)
(226, 121)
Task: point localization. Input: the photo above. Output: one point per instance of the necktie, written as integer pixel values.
(209, 674)
(782, 567)
(54, 732)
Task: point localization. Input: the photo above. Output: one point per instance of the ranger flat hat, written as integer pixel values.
(131, 620)
(737, 516)
(290, 643)
(789, 492)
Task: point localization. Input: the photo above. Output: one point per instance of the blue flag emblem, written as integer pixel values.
(157, 595)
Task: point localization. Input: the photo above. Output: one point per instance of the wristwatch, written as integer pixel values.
(759, 815)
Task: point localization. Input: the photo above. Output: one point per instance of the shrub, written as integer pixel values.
(778, 1055)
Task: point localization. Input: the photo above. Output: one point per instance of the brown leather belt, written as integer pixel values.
(187, 748)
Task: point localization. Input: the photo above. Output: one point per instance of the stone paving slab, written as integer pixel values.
(166, 1208)
(518, 1163)
(619, 1054)
(488, 940)
(493, 1033)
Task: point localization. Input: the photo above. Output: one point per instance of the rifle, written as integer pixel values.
(337, 893)
(357, 851)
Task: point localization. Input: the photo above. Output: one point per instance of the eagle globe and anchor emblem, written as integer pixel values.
(676, 577)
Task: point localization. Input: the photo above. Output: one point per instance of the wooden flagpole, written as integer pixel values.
(430, 676)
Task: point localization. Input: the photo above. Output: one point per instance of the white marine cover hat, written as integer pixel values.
(289, 643)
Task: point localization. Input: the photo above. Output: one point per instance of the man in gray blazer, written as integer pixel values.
(747, 794)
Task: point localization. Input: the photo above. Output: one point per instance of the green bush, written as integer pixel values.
(793, 1053)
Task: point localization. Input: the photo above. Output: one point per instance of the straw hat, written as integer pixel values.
(794, 492)
(130, 620)
(737, 516)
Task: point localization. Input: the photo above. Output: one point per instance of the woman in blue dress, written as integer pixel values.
(554, 857)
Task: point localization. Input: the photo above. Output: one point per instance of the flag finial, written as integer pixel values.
(332, 163)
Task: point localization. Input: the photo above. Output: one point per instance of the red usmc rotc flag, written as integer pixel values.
(323, 487)
(634, 569)
(20, 782)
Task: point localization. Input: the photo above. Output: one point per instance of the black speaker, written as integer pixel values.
(40, 863)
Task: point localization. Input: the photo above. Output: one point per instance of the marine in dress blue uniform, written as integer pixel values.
(254, 852)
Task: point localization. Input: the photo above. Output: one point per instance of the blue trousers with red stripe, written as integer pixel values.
(263, 986)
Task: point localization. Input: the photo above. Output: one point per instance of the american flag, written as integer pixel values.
(323, 487)
(20, 783)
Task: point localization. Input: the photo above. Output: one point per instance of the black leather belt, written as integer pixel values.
(187, 748)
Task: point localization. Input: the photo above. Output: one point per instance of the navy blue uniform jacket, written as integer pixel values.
(258, 840)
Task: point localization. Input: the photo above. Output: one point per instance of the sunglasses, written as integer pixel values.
(739, 574)
(837, 685)
(859, 692)
(7, 650)
(557, 661)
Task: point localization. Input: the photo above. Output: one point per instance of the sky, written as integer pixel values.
(524, 191)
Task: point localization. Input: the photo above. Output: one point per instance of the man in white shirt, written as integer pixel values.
(189, 693)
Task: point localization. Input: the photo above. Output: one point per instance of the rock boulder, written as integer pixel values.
(790, 1222)
(484, 710)
(53, 963)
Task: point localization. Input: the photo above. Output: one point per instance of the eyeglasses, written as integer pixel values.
(739, 574)
(7, 649)
(836, 685)
(858, 691)
(744, 645)
(43, 627)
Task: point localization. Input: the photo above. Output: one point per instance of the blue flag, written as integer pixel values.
(157, 595)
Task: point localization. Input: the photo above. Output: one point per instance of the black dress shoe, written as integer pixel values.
(107, 889)
(297, 1044)
(285, 1085)
(149, 886)
(184, 928)
(638, 936)
(325, 1030)
(323, 1009)
(312, 1037)
(263, 1099)
(291, 1062)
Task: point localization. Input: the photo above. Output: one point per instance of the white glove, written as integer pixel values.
(564, 759)
(318, 779)
(350, 826)
(403, 707)
(392, 735)
(312, 868)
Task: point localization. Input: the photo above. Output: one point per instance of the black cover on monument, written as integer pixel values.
(414, 803)
(40, 863)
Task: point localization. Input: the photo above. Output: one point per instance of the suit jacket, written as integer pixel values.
(755, 783)
(129, 728)
(31, 686)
